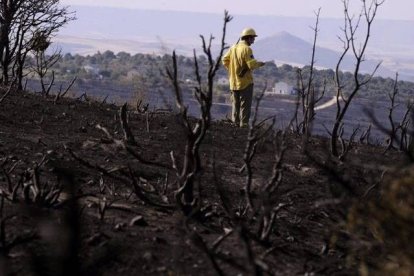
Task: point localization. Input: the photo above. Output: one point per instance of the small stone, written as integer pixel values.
(96, 239)
(148, 256)
(120, 226)
(138, 221)
(159, 240)
(161, 269)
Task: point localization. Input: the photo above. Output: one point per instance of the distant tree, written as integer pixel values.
(286, 68)
(108, 56)
(67, 57)
(270, 69)
(79, 60)
(93, 60)
(44, 63)
(123, 56)
(105, 73)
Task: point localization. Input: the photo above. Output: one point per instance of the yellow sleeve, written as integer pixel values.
(251, 62)
(226, 60)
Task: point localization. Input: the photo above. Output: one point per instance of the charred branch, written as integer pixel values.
(194, 131)
(350, 30)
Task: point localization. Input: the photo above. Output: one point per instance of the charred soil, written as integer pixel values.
(74, 201)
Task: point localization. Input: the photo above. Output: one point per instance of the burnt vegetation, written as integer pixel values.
(91, 188)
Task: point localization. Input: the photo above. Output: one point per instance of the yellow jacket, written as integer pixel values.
(239, 62)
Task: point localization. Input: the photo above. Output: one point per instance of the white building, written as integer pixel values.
(282, 88)
(91, 69)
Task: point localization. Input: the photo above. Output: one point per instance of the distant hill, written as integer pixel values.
(130, 30)
(284, 46)
(287, 48)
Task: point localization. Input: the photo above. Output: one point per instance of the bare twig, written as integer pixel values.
(307, 92)
(256, 133)
(9, 90)
(128, 136)
(61, 94)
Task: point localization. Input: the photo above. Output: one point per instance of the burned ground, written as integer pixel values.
(69, 204)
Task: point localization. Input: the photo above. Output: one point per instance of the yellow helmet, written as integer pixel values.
(248, 32)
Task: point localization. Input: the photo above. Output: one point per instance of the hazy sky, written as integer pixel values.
(391, 9)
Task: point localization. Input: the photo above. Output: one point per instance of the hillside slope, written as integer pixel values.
(122, 220)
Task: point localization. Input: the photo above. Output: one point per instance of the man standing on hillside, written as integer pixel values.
(240, 62)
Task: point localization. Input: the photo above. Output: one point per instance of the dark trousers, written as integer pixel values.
(241, 105)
